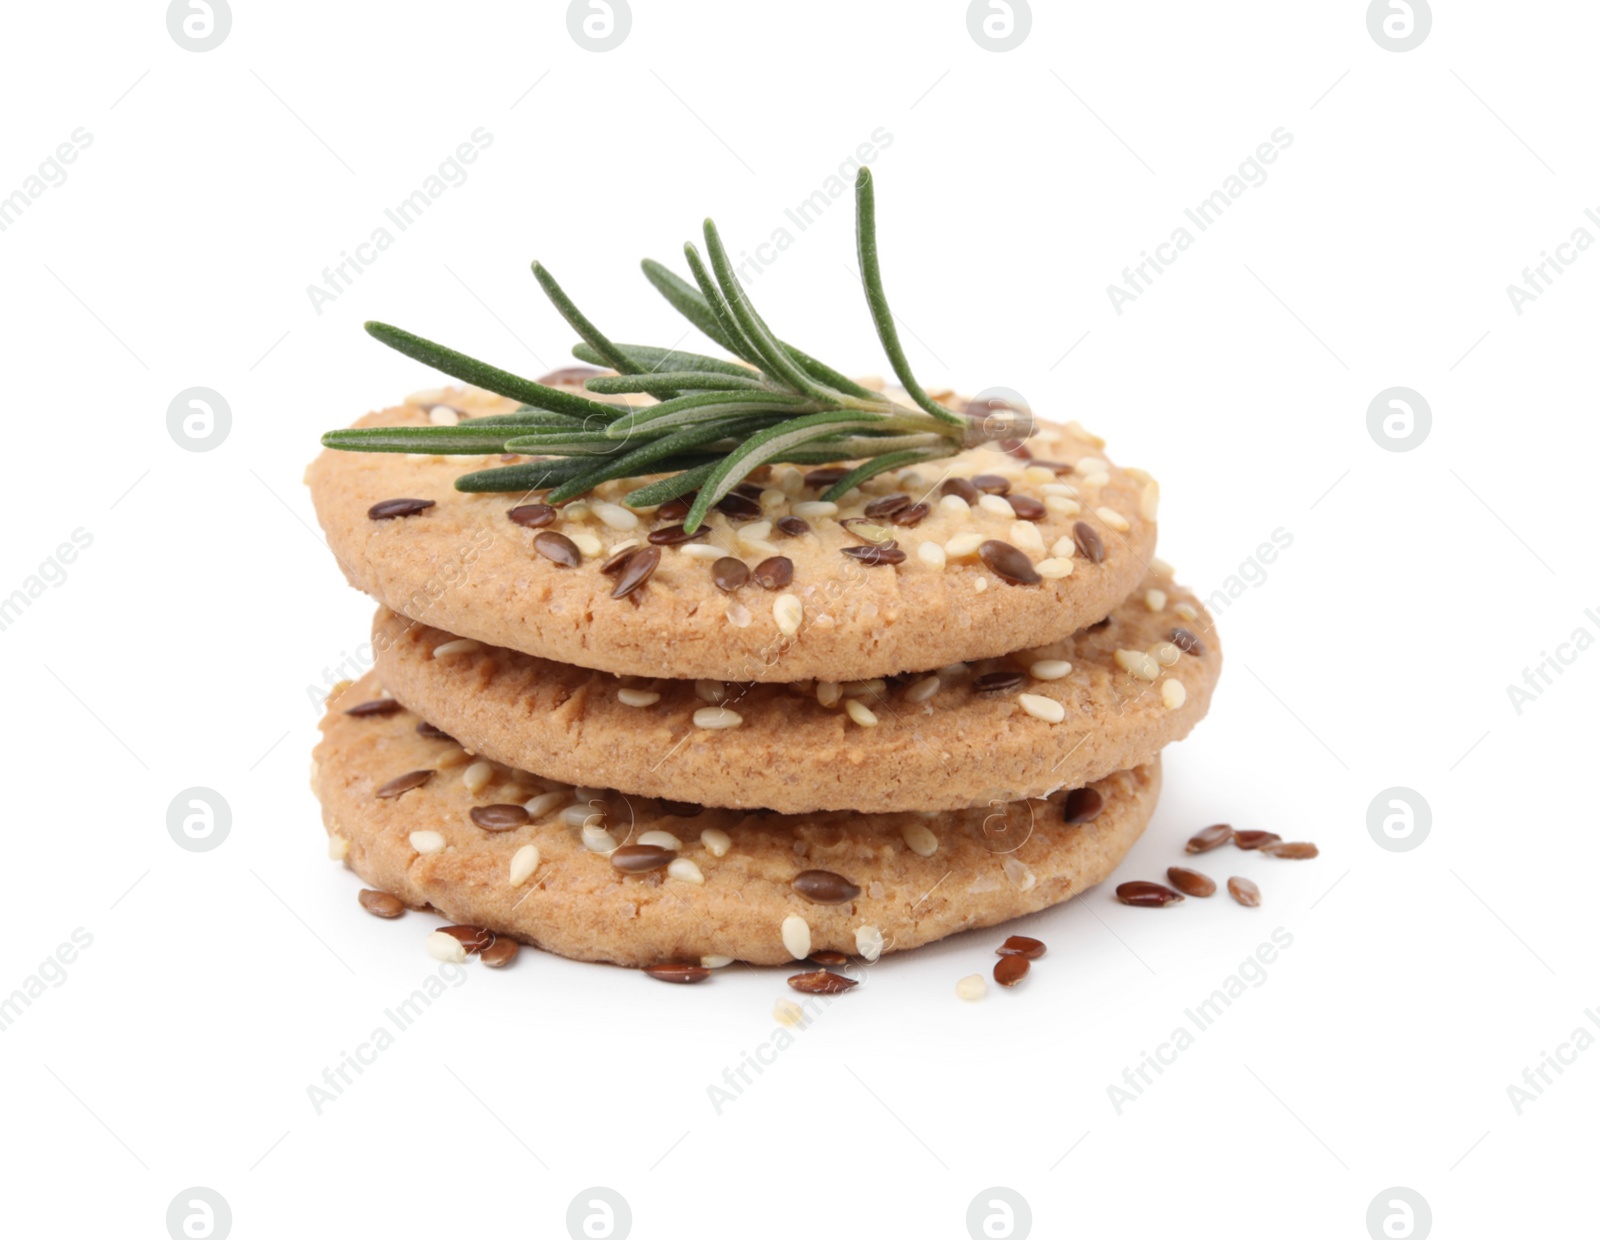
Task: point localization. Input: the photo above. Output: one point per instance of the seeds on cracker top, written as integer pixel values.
(728, 574)
(1088, 542)
(1141, 894)
(794, 526)
(1008, 563)
(825, 887)
(387, 510)
(424, 728)
(1187, 642)
(641, 858)
(887, 506)
(557, 548)
(533, 516)
(637, 569)
(876, 555)
(404, 783)
(774, 573)
(500, 817)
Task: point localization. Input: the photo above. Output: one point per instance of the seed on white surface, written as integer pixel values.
(426, 843)
(442, 946)
(717, 717)
(1173, 694)
(796, 936)
(858, 712)
(523, 863)
(638, 697)
(869, 942)
(661, 839)
(787, 611)
(972, 987)
(685, 871)
(1049, 669)
(788, 1012)
(1048, 709)
(717, 841)
(919, 839)
(461, 645)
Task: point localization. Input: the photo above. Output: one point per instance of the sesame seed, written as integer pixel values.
(1138, 664)
(972, 988)
(637, 697)
(1173, 694)
(964, 545)
(1150, 500)
(545, 803)
(787, 1012)
(1050, 669)
(477, 776)
(828, 693)
(1114, 519)
(685, 871)
(597, 839)
(1025, 535)
(1019, 875)
(1054, 568)
(426, 843)
(796, 936)
(995, 505)
(442, 946)
(919, 839)
(717, 717)
(788, 613)
(816, 508)
(857, 710)
(931, 554)
(1165, 653)
(956, 507)
(921, 690)
(715, 962)
(615, 515)
(1064, 548)
(755, 532)
(738, 614)
(338, 847)
(443, 415)
(717, 841)
(1091, 465)
(1061, 506)
(1048, 709)
(1186, 611)
(583, 814)
(864, 688)
(1161, 568)
(461, 645)
(869, 942)
(713, 691)
(701, 551)
(661, 839)
(1038, 473)
(1061, 490)
(523, 863)
(980, 584)
(577, 511)
(1155, 600)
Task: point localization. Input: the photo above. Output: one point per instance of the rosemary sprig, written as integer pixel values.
(716, 422)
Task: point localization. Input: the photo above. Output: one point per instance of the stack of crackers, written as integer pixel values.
(809, 730)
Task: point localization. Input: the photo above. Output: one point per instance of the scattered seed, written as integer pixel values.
(682, 809)
(1008, 563)
(500, 817)
(473, 939)
(404, 783)
(887, 506)
(860, 714)
(1147, 895)
(921, 690)
(637, 569)
(1049, 669)
(378, 706)
(961, 488)
(728, 574)
(1082, 805)
(677, 508)
(638, 697)
(971, 988)
(1244, 891)
(641, 858)
(796, 936)
(1137, 664)
(919, 839)
(614, 564)
(477, 777)
(825, 887)
(1252, 840)
(788, 613)
(869, 943)
(822, 982)
(829, 960)
(793, 526)
(1021, 945)
(911, 517)
(1173, 694)
(523, 863)
(774, 573)
(534, 516)
(685, 871)
(868, 531)
(715, 717)
(1009, 970)
(676, 971)
(875, 556)
(661, 839)
(501, 952)
(388, 509)
(821, 479)
(1187, 642)
(787, 1013)
(597, 839)
(1088, 542)
(717, 841)
(1026, 507)
(1290, 852)
(739, 506)
(380, 903)
(442, 946)
(557, 548)
(996, 682)
(716, 962)
(426, 843)
(991, 484)
(1211, 837)
(995, 505)
(670, 536)
(461, 645)
(1114, 519)
(1190, 882)
(586, 543)
(424, 728)
(1040, 707)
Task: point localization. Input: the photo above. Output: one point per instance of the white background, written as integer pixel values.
(1375, 653)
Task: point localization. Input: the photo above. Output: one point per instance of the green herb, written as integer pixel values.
(716, 421)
